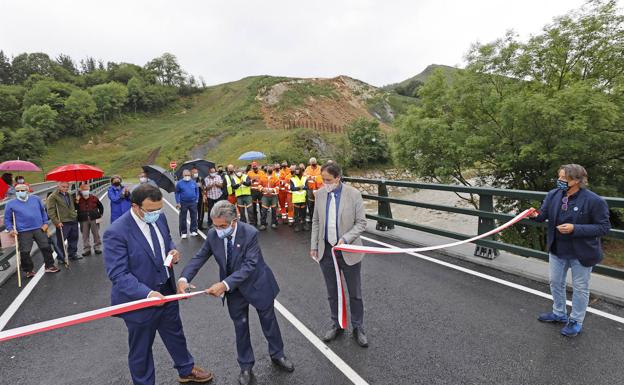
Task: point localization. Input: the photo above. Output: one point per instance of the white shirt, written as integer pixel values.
(144, 226)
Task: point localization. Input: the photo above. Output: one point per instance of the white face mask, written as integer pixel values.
(187, 178)
(143, 180)
(331, 186)
(195, 175)
(85, 193)
(238, 174)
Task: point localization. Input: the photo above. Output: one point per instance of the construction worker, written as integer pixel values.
(255, 175)
(314, 181)
(289, 202)
(298, 190)
(228, 179)
(270, 189)
(284, 176)
(242, 192)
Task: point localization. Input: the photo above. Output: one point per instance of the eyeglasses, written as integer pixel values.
(564, 204)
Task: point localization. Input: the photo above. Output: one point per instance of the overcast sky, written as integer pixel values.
(378, 41)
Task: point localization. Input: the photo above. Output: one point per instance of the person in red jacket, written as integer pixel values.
(90, 209)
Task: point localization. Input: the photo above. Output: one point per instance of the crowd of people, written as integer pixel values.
(265, 195)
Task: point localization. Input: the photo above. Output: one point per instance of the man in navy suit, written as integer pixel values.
(135, 248)
(244, 280)
(577, 218)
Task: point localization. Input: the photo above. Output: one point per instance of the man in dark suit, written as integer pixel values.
(135, 248)
(245, 280)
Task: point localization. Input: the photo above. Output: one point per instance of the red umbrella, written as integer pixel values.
(74, 173)
(3, 189)
(18, 165)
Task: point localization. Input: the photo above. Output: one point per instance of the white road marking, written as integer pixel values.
(499, 281)
(23, 295)
(307, 333)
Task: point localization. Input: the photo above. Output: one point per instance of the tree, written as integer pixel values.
(109, 99)
(26, 64)
(136, 92)
(41, 118)
(123, 72)
(166, 69)
(79, 113)
(22, 143)
(367, 143)
(6, 73)
(10, 106)
(67, 63)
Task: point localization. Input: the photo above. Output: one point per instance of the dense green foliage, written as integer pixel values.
(43, 100)
(367, 144)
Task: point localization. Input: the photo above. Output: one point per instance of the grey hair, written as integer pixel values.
(575, 172)
(223, 209)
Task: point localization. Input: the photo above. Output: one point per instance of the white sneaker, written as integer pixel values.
(194, 234)
(184, 236)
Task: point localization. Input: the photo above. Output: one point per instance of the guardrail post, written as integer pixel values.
(383, 209)
(486, 203)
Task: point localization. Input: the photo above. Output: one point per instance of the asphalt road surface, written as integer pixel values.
(426, 323)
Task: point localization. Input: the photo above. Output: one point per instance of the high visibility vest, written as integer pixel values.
(242, 189)
(228, 182)
(298, 196)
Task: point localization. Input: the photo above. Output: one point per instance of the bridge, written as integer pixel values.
(430, 318)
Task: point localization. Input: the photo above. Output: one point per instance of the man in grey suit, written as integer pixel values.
(339, 218)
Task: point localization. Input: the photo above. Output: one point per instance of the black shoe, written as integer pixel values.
(75, 257)
(284, 364)
(86, 253)
(360, 337)
(245, 377)
(332, 334)
(98, 251)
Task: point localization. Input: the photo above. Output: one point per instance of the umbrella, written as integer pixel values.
(160, 176)
(252, 155)
(3, 189)
(202, 166)
(18, 165)
(74, 173)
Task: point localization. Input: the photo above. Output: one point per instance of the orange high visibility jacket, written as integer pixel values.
(255, 178)
(284, 176)
(270, 185)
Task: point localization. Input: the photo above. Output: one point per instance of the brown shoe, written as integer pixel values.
(30, 274)
(197, 375)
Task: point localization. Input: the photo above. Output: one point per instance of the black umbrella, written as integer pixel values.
(202, 165)
(160, 176)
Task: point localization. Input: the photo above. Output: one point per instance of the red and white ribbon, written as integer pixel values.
(91, 316)
(342, 306)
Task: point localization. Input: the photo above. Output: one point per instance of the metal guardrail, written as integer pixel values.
(95, 184)
(488, 247)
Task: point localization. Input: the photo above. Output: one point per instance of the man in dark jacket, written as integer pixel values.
(90, 209)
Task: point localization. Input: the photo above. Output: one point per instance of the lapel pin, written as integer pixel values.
(576, 209)
(238, 244)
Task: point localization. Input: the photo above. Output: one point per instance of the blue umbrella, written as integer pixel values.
(252, 155)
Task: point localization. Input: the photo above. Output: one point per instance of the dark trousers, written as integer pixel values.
(26, 240)
(256, 199)
(310, 206)
(353, 278)
(238, 307)
(211, 203)
(141, 336)
(70, 233)
(200, 213)
(185, 208)
(300, 213)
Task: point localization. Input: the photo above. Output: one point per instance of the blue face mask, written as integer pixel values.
(21, 195)
(562, 185)
(224, 233)
(151, 216)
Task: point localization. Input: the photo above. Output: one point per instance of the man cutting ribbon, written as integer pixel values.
(339, 218)
(135, 249)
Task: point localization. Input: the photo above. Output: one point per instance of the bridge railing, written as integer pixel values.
(42, 190)
(487, 247)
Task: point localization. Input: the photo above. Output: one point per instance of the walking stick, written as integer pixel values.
(18, 256)
(66, 259)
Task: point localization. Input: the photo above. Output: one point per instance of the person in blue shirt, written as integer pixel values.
(31, 225)
(577, 219)
(119, 197)
(186, 196)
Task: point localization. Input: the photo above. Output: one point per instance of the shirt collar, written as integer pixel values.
(140, 222)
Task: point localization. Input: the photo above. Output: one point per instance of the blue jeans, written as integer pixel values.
(580, 286)
(186, 207)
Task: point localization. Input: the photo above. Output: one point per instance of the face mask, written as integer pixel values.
(195, 175)
(239, 174)
(20, 181)
(230, 172)
(331, 186)
(220, 172)
(255, 169)
(187, 178)
(151, 216)
(562, 185)
(143, 180)
(85, 193)
(224, 233)
(21, 195)
(213, 174)
(116, 184)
